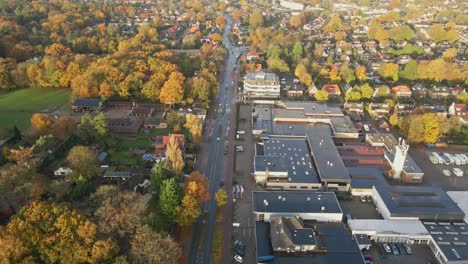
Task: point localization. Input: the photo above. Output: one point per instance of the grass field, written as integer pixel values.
(17, 107)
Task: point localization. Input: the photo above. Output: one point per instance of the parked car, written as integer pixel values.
(363, 199)
(239, 148)
(408, 249)
(240, 251)
(401, 248)
(387, 248)
(446, 173)
(395, 250)
(239, 259)
(458, 172)
(369, 198)
(239, 244)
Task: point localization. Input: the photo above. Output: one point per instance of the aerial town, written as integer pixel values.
(244, 131)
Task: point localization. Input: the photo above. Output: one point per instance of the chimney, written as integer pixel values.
(265, 203)
(323, 208)
(279, 197)
(308, 199)
(284, 200)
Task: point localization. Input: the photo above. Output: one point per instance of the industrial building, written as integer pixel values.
(318, 206)
(330, 166)
(411, 202)
(285, 164)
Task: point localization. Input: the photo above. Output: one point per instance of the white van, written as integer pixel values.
(241, 132)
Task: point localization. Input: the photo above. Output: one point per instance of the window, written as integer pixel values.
(304, 187)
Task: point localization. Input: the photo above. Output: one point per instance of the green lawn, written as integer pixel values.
(17, 107)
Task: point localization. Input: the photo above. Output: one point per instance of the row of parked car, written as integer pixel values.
(447, 158)
(239, 248)
(366, 199)
(398, 249)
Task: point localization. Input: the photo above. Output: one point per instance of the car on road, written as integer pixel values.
(239, 259)
(363, 199)
(395, 250)
(239, 148)
(446, 173)
(408, 249)
(369, 198)
(387, 248)
(240, 251)
(239, 244)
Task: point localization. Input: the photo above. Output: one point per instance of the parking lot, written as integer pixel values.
(359, 210)
(433, 175)
(245, 232)
(421, 255)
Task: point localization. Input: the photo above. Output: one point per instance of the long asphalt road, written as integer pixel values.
(217, 146)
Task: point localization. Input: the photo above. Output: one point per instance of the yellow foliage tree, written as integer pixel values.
(172, 91)
(195, 126)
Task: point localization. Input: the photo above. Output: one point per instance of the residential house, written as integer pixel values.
(86, 105)
(458, 110)
(354, 110)
(457, 90)
(379, 110)
(402, 109)
(438, 92)
(332, 89)
(401, 91)
(252, 55)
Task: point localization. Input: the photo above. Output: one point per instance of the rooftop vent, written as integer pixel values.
(265, 203)
(308, 199)
(284, 200)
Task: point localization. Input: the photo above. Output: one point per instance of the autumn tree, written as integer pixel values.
(196, 185)
(188, 211)
(366, 91)
(173, 92)
(462, 98)
(361, 74)
(41, 123)
(321, 95)
(220, 21)
(302, 74)
(410, 71)
(277, 65)
(21, 156)
(63, 127)
(174, 121)
(120, 213)
(347, 74)
(353, 96)
(195, 126)
(334, 74)
(83, 161)
(148, 246)
(256, 19)
(174, 158)
(389, 71)
(51, 233)
(431, 127)
(393, 120)
(221, 197)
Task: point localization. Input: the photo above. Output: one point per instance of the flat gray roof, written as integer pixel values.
(288, 154)
(329, 164)
(426, 203)
(452, 239)
(295, 202)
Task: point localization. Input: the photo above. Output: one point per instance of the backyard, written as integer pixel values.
(17, 107)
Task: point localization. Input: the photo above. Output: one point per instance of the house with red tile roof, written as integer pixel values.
(332, 89)
(401, 91)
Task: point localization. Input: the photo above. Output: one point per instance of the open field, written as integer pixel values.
(17, 107)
